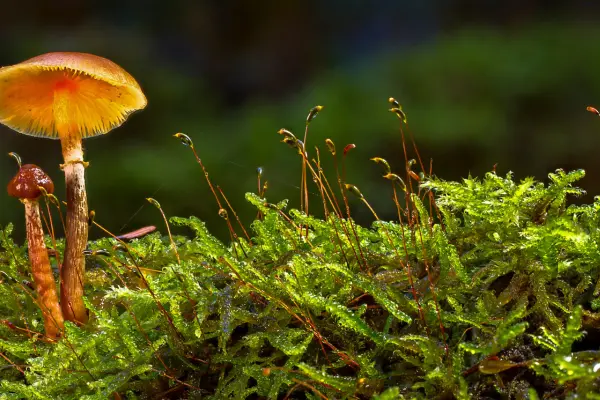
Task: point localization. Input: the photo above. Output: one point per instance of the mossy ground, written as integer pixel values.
(484, 288)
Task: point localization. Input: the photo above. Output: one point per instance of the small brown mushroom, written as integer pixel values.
(70, 97)
(26, 186)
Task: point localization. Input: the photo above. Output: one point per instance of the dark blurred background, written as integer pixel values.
(482, 82)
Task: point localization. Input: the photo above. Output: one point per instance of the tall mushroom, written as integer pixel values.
(69, 96)
(26, 187)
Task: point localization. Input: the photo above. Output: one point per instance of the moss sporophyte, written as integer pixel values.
(478, 289)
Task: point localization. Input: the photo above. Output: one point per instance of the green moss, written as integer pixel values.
(486, 288)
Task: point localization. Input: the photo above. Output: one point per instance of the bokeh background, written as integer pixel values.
(482, 83)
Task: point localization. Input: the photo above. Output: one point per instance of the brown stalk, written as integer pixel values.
(235, 214)
(412, 210)
(185, 139)
(41, 271)
(12, 363)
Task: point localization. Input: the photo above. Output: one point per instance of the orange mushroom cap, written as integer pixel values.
(27, 182)
(101, 95)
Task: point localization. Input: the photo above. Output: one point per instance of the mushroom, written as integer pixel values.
(26, 187)
(69, 96)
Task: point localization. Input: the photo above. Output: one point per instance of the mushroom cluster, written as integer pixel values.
(69, 97)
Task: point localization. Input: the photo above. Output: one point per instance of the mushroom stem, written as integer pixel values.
(73, 269)
(40, 269)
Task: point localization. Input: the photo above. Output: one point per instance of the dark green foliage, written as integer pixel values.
(510, 272)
